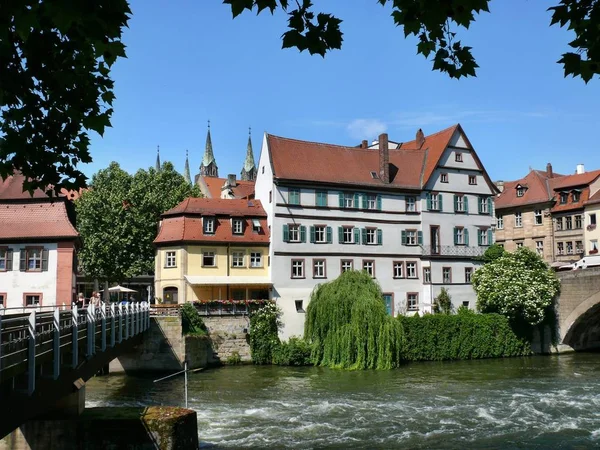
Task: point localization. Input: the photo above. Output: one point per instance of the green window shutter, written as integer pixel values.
(379, 202)
(379, 237)
(364, 201)
(364, 236)
(466, 234)
(490, 236)
(403, 237)
(428, 201)
(341, 196)
(357, 235)
(329, 237)
(286, 233)
(312, 234)
(479, 235)
(356, 200)
(466, 204)
(490, 206)
(45, 260)
(23, 260)
(455, 236)
(420, 237)
(440, 204)
(302, 233)
(479, 204)
(341, 235)
(455, 202)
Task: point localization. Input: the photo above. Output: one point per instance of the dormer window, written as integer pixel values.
(520, 191)
(576, 196)
(563, 198)
(238, 226)
(256, 225)
(209, 225)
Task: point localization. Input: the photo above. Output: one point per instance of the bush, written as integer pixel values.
(295, 352)
(461, 336)
(234, 359)
(191, 321)
(442, 304)
(264, 333)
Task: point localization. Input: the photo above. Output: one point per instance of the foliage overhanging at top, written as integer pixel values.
(433, 22)
(55, 60)
(518, 285)
(348, 326)
(117, 219)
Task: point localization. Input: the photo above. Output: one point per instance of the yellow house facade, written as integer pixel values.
(213, 250)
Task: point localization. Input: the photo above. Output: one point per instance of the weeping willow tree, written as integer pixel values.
(347, 323)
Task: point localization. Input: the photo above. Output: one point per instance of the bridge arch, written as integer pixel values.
(581, 328)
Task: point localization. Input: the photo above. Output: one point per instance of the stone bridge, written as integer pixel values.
(578, 309)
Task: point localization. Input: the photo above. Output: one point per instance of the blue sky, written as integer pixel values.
(188, 62)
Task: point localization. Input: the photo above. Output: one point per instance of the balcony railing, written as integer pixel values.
(228, 307)
(453, 250)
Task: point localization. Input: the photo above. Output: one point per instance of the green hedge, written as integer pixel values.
(463, 336)
(295, 352)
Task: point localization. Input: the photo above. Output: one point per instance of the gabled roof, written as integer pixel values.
(218, 207)
(35, 220)
(11, 189)
(242, 189)
(537, 191)
(578, 179)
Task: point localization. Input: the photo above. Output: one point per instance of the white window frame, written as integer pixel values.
(569, 223)
(473, 178)
(371, 236)
(520, 192)
(412, 301)
(468, 274)
(209, 225)
(539, 247)
(238, 226)
(398, 269)
(427, 275)
(369, 267)
(298, 268)
(500, 222)
(237, 259)
(170, 259)
(320, 232)
(371, 201)
(411, 269)
(460, 203)
(560, 248)
(209, 253)
(518, 220)
(411, 204)
(346, 264)
(256, 259)
(443, 177)
(318, 268)
(538, 215)
(411, 237)
(348, 232)
(294, 232)
(569, 247)
(483, 236)
(434, 200)
(460, 236)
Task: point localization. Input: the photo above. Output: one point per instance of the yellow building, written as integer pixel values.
(213, 251)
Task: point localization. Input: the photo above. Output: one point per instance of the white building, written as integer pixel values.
(415, 215)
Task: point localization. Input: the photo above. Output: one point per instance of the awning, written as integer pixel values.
(197, 280)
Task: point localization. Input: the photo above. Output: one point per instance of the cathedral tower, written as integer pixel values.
(249, 169)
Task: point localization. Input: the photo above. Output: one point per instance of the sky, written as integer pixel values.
(189, 62)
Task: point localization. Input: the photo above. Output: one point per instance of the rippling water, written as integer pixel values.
(538, 402)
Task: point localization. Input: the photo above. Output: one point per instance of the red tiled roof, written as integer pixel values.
(569, 182)
(578, 179)
(35, 220)
(243, 189)
(593, 199)
(584, 195)
(11, 188)
(218, 206)
(537, 191)
(189, 229)
(313, 161)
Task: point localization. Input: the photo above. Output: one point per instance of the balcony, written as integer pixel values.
(453, 250)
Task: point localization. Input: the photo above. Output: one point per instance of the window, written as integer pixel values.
(411, 204)
(593, 246)
(538, 216)
(434, 202)
(256, 226)
(321, 234)
(592, 219)
(34, 259)
(32, 299)
(3, 300)
(411, 270)
(563, 198)
(389, 303)
(371, 236)
(238, 226)
(568, 223)
(297, 268)
(458, 157)
(485, 205)
(319, 268)
(347, 200)
(520, 192)
(263, 169)
(208, 259)
(170, 260)
(372, 201)
(465, 303)
(569, 248)
(560, 248)
(461, 203)
(412, 301)
(484, 236)
(459, 236)
(398, 269)
(237, 259)
(321, 198)
(575, 196)
(468, 274)
(410, 237)
(444, 178)
(294, 196)
(299, 306)
(209, 225)
(347, 235)
(559, 223)
(579, 246)
(270, 196)
(446, 275)
(5, 259)
(578, 222)
(500, 222)
(369, 267)
(539, 248)
(472, 179)
(518, 220)
(427, 275)
(294, 233)
(519, 245)
(347, 264)
(255, 259)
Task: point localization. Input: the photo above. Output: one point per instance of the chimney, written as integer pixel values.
(580, 169)
(549, 172)
(420, 138)
(231, 179)
(384, 158)
(364, 144)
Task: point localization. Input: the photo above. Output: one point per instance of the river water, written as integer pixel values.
(537, 402)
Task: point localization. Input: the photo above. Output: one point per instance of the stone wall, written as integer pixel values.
(229, 335)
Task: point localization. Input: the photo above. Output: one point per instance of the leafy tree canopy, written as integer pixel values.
(493, 252)
(434, 23)
(117, 219)
(518, 285)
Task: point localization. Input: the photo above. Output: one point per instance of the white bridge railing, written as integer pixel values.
(40, 340)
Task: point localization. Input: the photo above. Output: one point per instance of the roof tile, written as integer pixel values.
(35, 220)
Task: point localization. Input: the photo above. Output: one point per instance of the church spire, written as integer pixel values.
(157, 166)
(186, 170)
(209, 168)
(249, 168)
